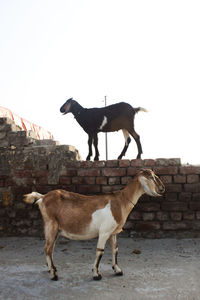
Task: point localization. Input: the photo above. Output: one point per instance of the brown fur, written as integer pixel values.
(74, 211)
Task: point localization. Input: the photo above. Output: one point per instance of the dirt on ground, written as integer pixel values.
(153, 269)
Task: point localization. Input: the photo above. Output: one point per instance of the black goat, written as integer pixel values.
(105, 119)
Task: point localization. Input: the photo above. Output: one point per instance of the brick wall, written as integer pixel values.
(32, 167)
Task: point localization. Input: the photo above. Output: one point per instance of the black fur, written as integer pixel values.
(118, 116)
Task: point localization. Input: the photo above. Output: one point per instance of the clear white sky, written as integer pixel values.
(144, 52)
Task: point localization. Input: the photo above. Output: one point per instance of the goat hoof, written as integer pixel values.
(96, 159)
(55, 278)
(98, 277)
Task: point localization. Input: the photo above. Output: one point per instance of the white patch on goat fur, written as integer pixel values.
(145, 185)
(126, 135)
(104, 122)
(102, 222)
(39, 200)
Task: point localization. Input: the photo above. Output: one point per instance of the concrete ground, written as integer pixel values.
(153, 269)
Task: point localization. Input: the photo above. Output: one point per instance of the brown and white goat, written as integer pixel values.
(81, 217)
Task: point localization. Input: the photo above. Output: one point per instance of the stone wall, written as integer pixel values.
(31, 165)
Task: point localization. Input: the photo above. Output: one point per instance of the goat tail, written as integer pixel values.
(138, 109)
(33, 197)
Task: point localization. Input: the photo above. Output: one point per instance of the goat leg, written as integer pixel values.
(96, 147)
(127, 142)
(137, 140)
(90, 139)
(114, 249)
(95, 270)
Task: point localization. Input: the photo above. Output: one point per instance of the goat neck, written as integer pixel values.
(129, 197)
(76, 109)
(131, 194)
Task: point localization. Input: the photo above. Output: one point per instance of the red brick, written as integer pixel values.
(126, 179)
(176, 226)
(180, 179)
(192, 187)
(171, 196)
(162, 216)
(132, 171)
(149, 162)
(147, 226)
(112, 163)
(111, 188)
(22, 173)
(196, 196)
(114, 180)
(189, 170)
(174, 161)
(124, 163)
(195, 225)
(174, 206)
(189, 215)
(168, 162)
(83, 180)
(145, 198)
(42, 180)
(72, 164)
(148, 216)
(194, 205)
(185, 196)
(65, 180)
(69, 172)
(8, 182)
(1, 183)
(162, 162)
(70, 188)
(192, 178)
(198, 215)
(114, 172)
(88, 172)
(84, 164)
(148, 206)
(176, 216)
(174, 188)
(30, 181)
(166, 179)
(170, 170)
(99, 164)
(128, 225)
(40, 173)
(101, 180)
(137, 163)
(88, 189)
(43, 189)
(135, 215)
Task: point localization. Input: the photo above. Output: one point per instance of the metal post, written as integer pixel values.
(106, 137)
